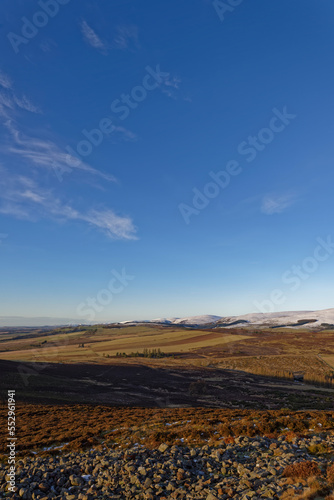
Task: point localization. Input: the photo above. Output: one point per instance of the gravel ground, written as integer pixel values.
(247, 468)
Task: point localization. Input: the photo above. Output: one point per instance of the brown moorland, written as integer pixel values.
(45, 428)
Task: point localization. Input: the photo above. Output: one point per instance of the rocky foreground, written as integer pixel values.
(245, 468)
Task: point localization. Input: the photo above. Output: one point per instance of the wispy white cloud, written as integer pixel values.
(25, 103)
(126, 37)
(269, 204)
(172, 82)
(8, 208)
(91, 37)
(170, 85)
(39, 152)
(5, 81)
(10, 101)
(126, 134)
(45, 153)
(6, 101)
(275, 204)
(113, 225)
(33, 196)
(22, 198)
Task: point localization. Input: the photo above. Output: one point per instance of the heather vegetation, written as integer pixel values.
(103, 452)
(82, 426)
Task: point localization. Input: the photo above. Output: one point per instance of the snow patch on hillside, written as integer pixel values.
(295, 319)
(197, 320)
(285, 318)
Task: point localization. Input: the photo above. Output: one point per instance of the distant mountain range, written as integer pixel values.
(292, 319)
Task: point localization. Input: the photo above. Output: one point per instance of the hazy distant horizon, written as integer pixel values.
(21, 321)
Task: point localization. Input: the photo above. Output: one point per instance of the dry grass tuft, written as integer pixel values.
(302, 470)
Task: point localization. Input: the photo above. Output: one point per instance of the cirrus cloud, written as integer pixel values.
(275, 204)
(5, 81)
(23, 198)
(91, 37)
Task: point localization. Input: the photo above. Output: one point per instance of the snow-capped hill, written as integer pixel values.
(197, 320)
(192, 320)
(292, 319)
(164, 320)
(206, 319)
(297, 319)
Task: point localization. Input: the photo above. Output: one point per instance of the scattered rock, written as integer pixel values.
(247, 469)
(211, 497)
(163, 447)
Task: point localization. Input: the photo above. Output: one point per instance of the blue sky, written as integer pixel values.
(115, 116)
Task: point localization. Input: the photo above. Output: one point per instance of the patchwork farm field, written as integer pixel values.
(155, 365)
(92, 344)
(257, 351)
